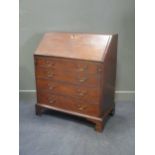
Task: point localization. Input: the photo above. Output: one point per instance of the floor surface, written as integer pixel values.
(56, 133)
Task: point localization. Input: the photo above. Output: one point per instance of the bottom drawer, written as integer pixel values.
(68, 103)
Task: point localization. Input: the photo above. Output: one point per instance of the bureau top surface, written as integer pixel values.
(74, 45)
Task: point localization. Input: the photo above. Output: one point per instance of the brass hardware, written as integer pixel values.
(49, 64)
(82, 107)
(82, 92)
(82, 69)
(50, 74)
(83, 79)
(51, 87)
(52, 101)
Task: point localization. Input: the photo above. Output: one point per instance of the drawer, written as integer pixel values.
(70, 65)
(69, 77)
(68, 103)
(84, 93)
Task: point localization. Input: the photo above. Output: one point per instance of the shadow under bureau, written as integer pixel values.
(75, 74)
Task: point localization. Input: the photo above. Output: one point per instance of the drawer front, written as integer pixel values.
(68, 103)
(79, 92)
(69, 77)
(70, 65)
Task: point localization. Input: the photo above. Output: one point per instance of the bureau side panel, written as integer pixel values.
(34, 58)
(109, 75)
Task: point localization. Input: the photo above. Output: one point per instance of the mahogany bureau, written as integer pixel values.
(75, 74)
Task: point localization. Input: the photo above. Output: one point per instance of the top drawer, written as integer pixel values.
(70, 65)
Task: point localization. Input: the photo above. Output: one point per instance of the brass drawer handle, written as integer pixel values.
(52, 101)
(83, 68)
(49, 64)
(83, 79)
(50, 74)
(51, 87)
(82, 92)
(82, 107)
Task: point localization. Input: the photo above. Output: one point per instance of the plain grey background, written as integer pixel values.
(95, 16)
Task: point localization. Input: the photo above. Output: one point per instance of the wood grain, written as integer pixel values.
(75, 74)
(74, 45)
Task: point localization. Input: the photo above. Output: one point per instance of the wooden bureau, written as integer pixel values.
(75, 73)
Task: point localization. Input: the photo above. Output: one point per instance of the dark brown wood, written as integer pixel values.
(74, 45)
(75, 74)
(68, 77)
(68, 103)
(109, 75)
(99, 126)
(60, 64)
(77, 91)
(89, 117)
